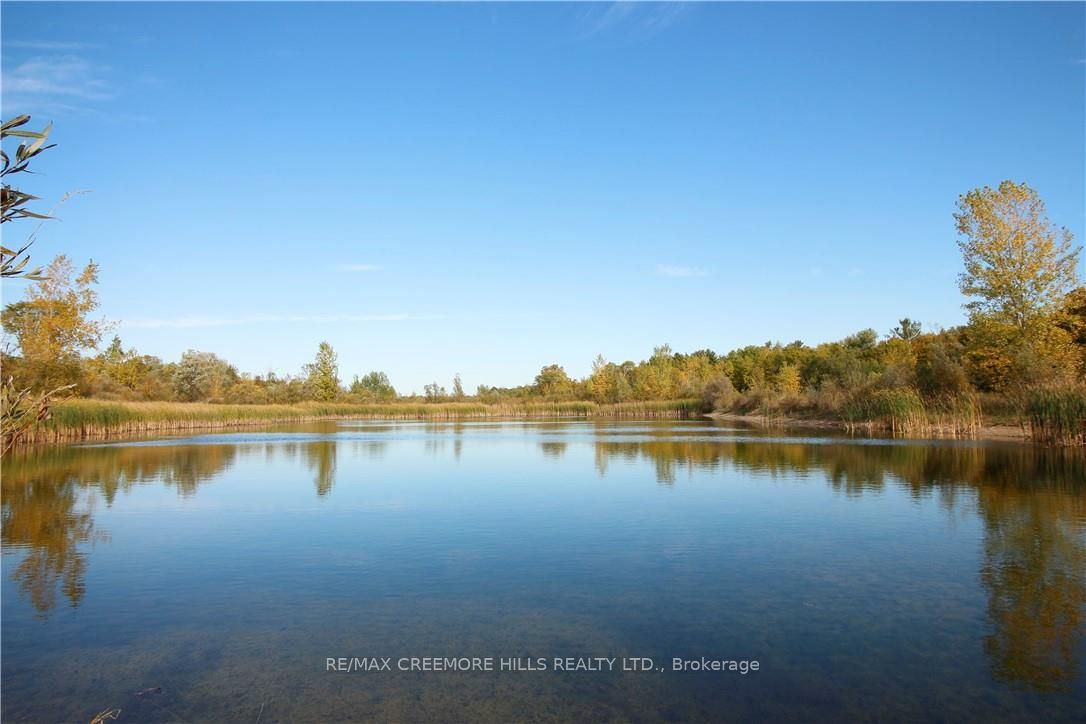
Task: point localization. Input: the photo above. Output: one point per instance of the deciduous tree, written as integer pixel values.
(552, 381)
(1018, 265)
(375, 386)
(203, 376)
(52, 325)
(322, 375)
(1019, 270)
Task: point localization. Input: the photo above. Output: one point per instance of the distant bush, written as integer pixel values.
(719, 394)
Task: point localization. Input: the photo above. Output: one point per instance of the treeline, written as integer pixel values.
(120, 374)
(943, 364)
(909, 378)
(1022, 352)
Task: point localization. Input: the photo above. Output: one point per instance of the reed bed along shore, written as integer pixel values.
(899, 412)
(1058, 416)
(76, 420)
(903, 413)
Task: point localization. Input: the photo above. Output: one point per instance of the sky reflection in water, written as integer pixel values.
(894, 579)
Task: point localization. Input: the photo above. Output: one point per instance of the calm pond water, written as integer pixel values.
(870, 579)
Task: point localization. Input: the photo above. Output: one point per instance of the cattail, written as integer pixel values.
(1057, 416)
(75, 420)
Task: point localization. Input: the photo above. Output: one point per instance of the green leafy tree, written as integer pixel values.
(202, 376)
(553, 382)
(373, 386)
(458, 387)
(907, 329)
(434, 392)
(322, 375)
(939, 370)
(609, 382)
(126, 373)
(118, 365)
(284, 390)
(655, 380)
(247, 391)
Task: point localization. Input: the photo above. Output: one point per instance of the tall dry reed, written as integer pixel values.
(94, 419)
(1057, 416)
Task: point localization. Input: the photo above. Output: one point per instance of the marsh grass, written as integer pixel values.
(1057, 416)
(903, 412)
(96, 419)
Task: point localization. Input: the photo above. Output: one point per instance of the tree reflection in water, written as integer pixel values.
(44, 519)
(1034, 563)
(1031, 501)
(320, 457)
(47, 505)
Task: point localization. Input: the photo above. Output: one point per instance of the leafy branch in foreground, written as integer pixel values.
(12, 200)
(23, 410)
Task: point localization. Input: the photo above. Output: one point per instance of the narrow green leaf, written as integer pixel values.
(14, 122)
(32, 214)
(23, 134)
(38, 144)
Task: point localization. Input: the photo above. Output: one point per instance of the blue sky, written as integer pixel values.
(489, 188)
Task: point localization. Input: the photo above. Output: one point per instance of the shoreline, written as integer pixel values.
(984, 432)
(76, 421)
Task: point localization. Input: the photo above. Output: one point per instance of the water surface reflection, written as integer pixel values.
(482, 535)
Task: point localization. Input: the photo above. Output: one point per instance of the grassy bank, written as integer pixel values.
(1055, 417)
(75, 420)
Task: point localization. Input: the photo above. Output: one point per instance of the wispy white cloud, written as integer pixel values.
(610, 16)
(856, 272)
(64, 81)
(50, 45)
(680, 272)
(663, 16)
(357, 267)
(196, 321)
(638, 19)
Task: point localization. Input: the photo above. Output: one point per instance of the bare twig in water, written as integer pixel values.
(105, 715)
